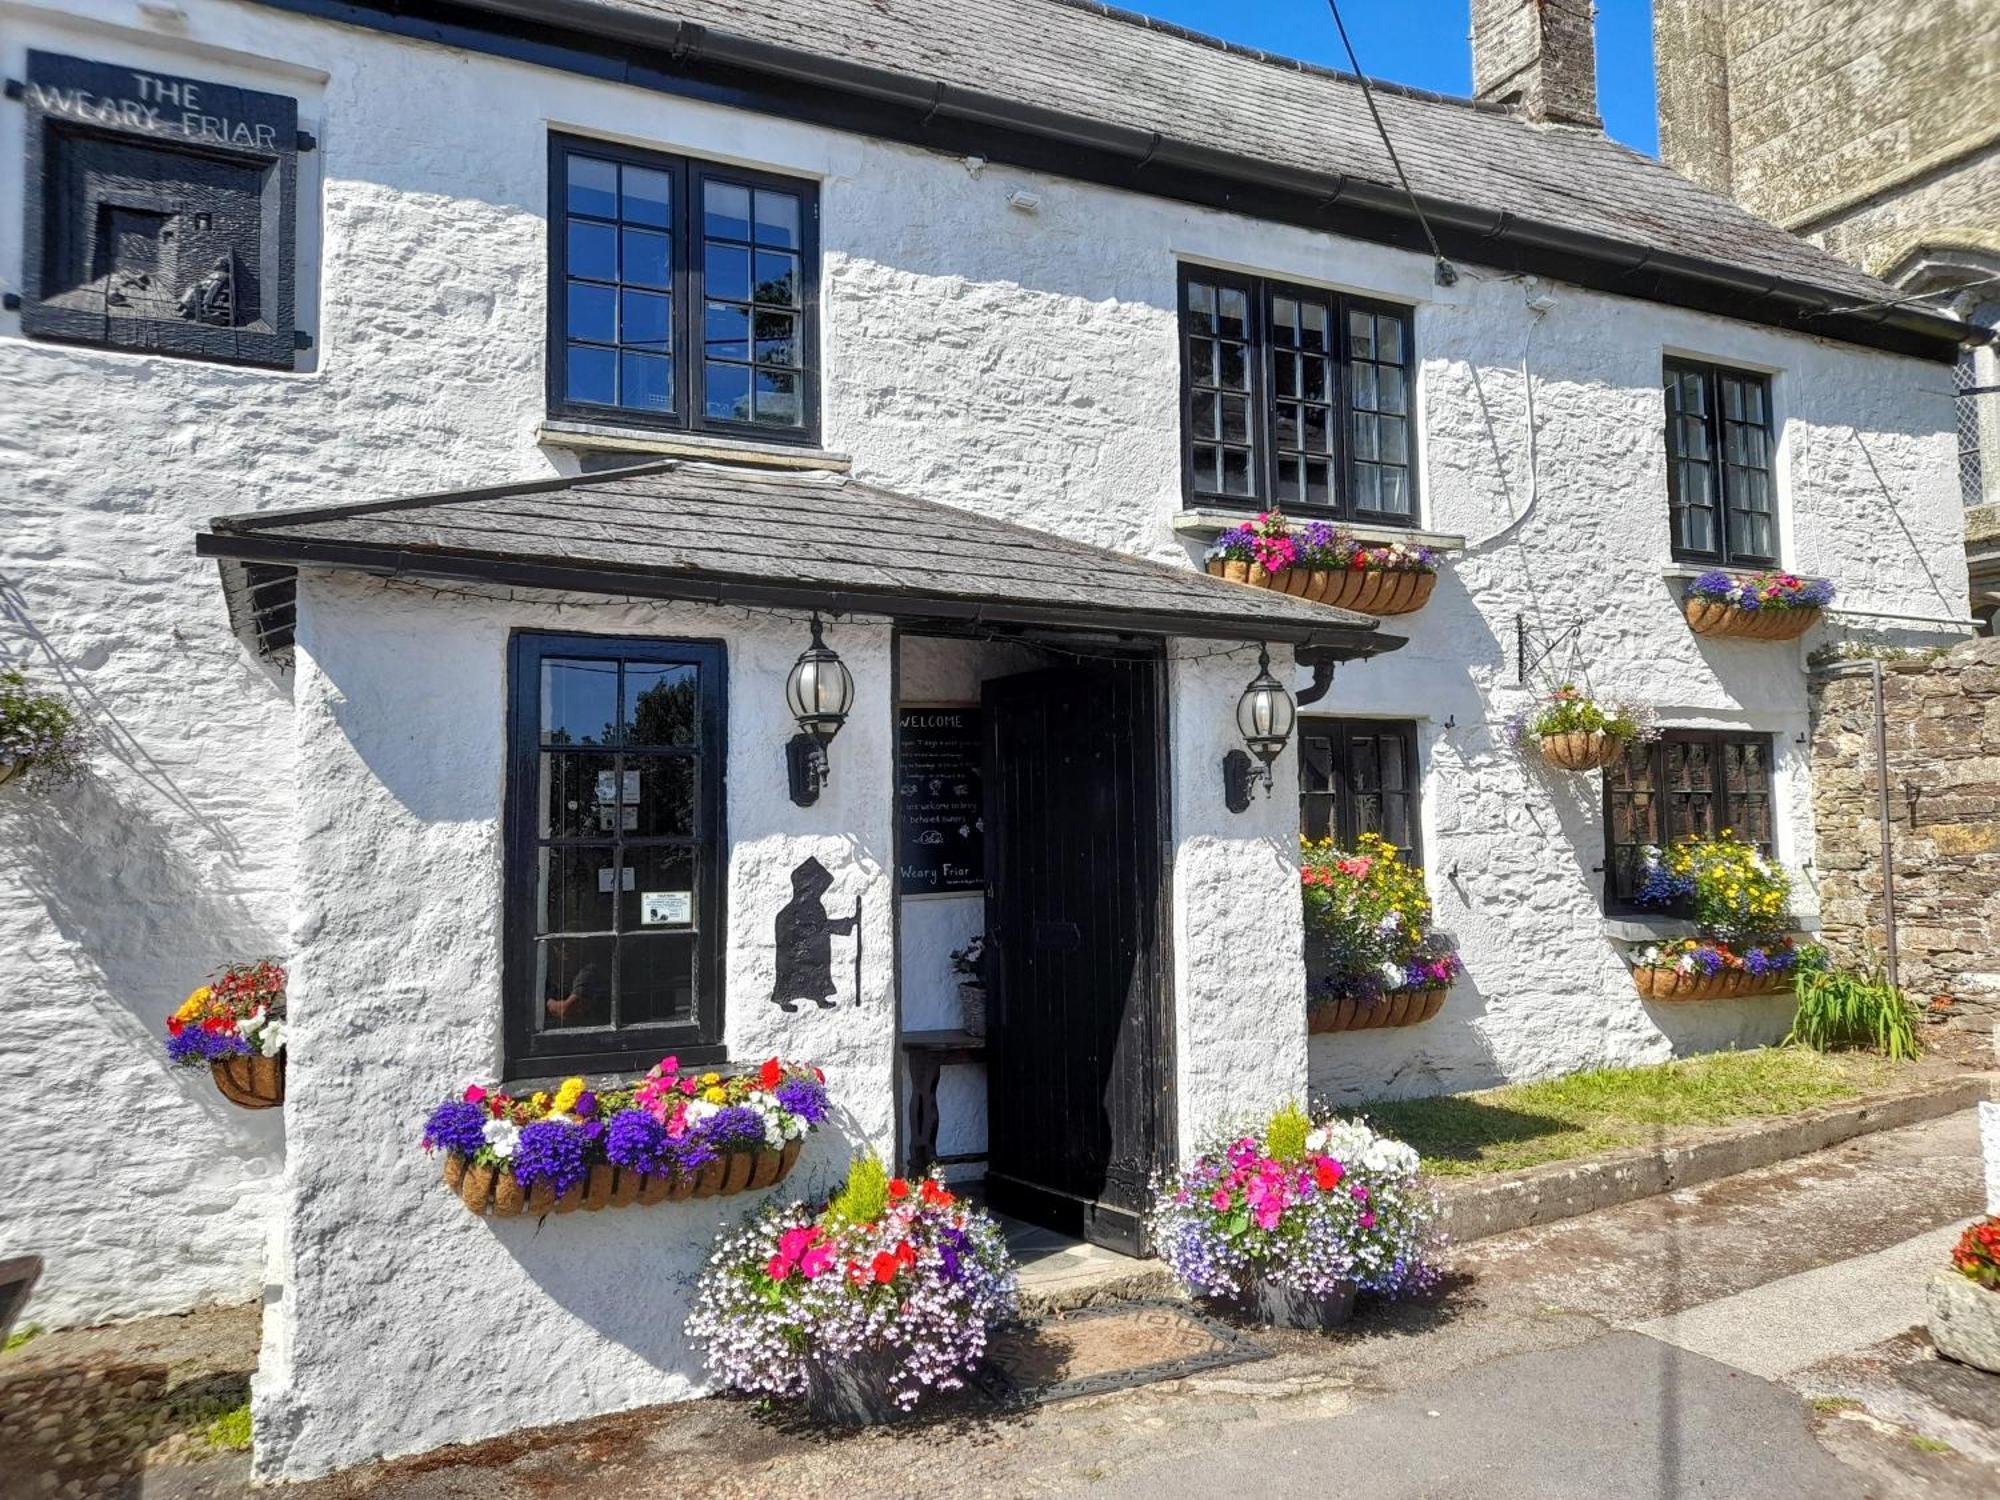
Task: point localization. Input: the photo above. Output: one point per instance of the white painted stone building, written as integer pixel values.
(987, 225)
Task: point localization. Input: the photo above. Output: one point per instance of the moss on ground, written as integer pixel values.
(1584, 1114)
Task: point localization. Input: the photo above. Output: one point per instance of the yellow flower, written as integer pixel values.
(567, 1095)
(711, 1078)
(715, 1096)
(192, 1007)
(539, 1099)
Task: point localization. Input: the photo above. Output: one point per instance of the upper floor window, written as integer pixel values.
(1719, 482)
(1359, 776)
(614, 852)
(683, 294)
(1686, 781)
(1296, 397)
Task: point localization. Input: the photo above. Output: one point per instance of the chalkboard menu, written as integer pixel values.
(940, 806)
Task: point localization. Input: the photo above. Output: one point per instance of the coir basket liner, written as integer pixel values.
(1727, 984)
(252, 1082)
(1399, 1008)
(495, 1190)
(1369, 591)
(1714, 618)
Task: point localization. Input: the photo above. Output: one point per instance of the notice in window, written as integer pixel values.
(666, 908)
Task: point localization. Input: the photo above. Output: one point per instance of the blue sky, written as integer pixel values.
(1423, 42)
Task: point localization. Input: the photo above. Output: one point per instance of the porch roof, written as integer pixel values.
(721, 534)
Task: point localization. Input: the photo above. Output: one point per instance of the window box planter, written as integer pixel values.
(1965, 1321)
(1406, 1007)
(252, 1082)
(1582, 750)
(1368, 591)
(495, 1190)
(1759, 607)
(1662, 984)
(1279, 1306)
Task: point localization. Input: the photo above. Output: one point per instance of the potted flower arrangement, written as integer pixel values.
(1372, 956)
(969, 963)
(39, 732)
(1576, 732)
(860, 1305)
(1289, 1224)
(235, 1027)
(1326, 564)
(676, 1135)
(1740, 900)
(1965, 1301)
(1760, 607)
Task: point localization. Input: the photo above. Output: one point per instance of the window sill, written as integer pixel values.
(1208, 524)
(609, 437)
(1642, 929)
(1681, 572)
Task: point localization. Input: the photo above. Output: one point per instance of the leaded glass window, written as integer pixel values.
(1685, 782)
(1720, 483)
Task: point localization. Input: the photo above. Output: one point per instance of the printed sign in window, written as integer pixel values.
(666, 908)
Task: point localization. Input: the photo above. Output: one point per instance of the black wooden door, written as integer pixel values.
(1078, 1049)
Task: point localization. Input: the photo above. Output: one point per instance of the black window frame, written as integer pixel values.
(1341, 733)
(1262, 291)
(686, 286)
(530, 1052)
(1723, 491)
(1726, 807)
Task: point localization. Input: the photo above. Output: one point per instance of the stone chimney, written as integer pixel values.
(1538, 56)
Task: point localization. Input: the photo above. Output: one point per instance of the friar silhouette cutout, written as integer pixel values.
(805, 936)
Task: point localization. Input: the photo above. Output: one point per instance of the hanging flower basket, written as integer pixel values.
(496, 1190)
(1582, 750)
(676, 1136)
(1762, 607)
(1664, 984)
(1406, 1007)
(251, 1082)
(1325, 565)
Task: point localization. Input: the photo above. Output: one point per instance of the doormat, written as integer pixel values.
(1110, 1348)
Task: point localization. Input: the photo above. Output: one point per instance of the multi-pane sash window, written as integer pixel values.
(614, 851)
(1359, 776)
(1719, 482)
(682, 293)
(1296, 397)
(1686, 781)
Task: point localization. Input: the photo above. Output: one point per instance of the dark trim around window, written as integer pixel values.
(1294, 403)
(703, 355)
(1360, 776)
(1686, 781)
(1721, 479)
(666, 823)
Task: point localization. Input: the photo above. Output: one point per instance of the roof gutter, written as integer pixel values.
(688, 43)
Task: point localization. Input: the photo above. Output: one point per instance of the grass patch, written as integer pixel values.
(1560, 1119)
(21, 1336)
(231, 1430)
(1831, 1404)
(1930, 1444)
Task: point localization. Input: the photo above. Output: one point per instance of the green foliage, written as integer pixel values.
(1570, 711)
(23, 1335)
(39, 728)
(1285, 1136)
(1735, 892)
(1842, 1009)
(231, 1430)
(865, 1198)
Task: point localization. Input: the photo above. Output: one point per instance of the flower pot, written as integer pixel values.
(1375, 591)
(251, 1082)
(1712, 617)
(1725, 984)
(510, 1199)
(495, 1190)
(1965, 1321)
(856, 1392)
(475, 1187)
(1281, 1306)
(1581, 750)
(1406, 1007)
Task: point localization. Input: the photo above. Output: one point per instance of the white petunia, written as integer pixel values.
(1343, 1140)
(1393, 976)
(502, 1136)
(1391, 1157)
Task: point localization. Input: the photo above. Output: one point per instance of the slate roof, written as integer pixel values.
(1092, 62)
(723, 534)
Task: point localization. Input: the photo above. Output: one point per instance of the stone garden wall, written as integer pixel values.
(1943, 719)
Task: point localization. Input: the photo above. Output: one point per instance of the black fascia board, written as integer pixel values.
(1345, 642)
(694, 61)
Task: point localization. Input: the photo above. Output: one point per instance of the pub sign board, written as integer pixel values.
(940, 800)
(160, 212)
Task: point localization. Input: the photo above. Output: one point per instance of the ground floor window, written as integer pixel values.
(1359, 776)
(614, 851)
(1686, 781)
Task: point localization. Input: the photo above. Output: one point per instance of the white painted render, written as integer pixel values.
(1022, 365)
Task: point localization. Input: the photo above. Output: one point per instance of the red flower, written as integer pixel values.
(885, 1266)
(770, 1075)
(898, 1190)
(1327, 1173)
(174, 1025)
(934, 1195)
(906, 1253)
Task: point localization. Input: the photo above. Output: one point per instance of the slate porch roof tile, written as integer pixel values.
(675, 528)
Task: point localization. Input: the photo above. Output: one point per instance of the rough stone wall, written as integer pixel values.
(1943, 741)
(1538, 55)
(1022, 365)
(1873, 129)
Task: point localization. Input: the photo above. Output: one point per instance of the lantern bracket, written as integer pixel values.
(806, 768)
(1239, 774)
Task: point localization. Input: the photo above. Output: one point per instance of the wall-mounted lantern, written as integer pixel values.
(819, 691)
(1264, 717)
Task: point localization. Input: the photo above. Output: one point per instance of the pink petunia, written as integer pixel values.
(817, 1261)
(778, 1268)
(1368, 1221)
(1220, 1201)
(793, 1242)
(474, 1093)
